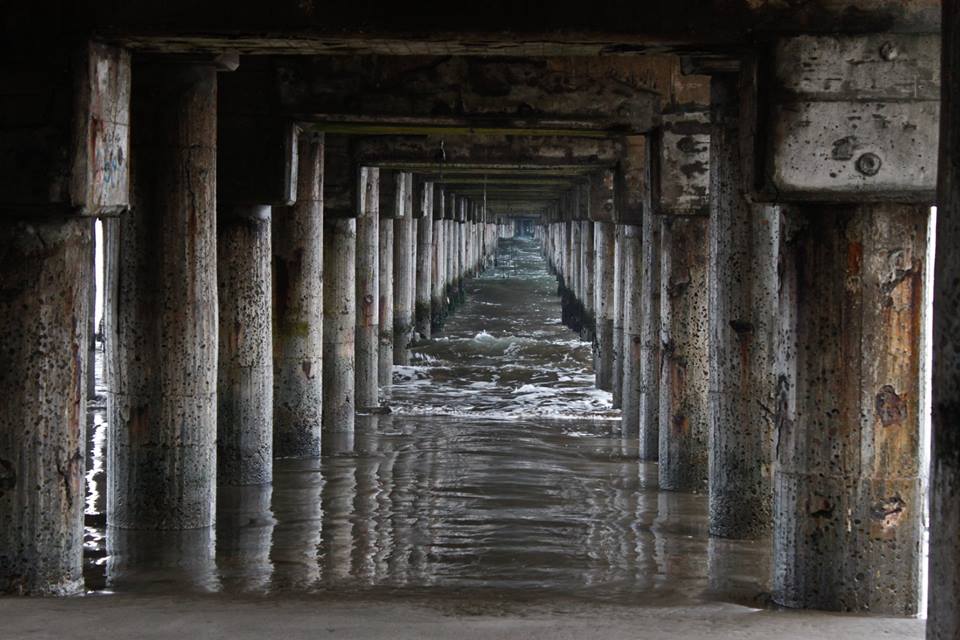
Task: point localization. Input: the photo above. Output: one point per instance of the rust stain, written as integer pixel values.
(887, 515)
(854, 258)
(891, 408)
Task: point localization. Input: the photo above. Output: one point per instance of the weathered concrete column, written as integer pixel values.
(404, 273)
(162, 364)
(368, 289)
(438, 262)
(45, 273)
(617, 369)
(573, 279)
(650, 339)
(632, 330)
(943, 615)
(743, 285)
(588, 323)
(245, 365)
(298, 310)
(425, 227)
(391, 198)
(848, 494)
(684, 335)
(604, 295)
(339, 326)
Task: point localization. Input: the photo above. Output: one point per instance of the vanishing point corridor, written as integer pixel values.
(482, 320)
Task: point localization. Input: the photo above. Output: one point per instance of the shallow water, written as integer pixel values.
(500, 471)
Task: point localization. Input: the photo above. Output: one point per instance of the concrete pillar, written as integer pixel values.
(742, 285)
(245, 365)
(943, 615)
(404, 273)
(631, 253)
(385, 284)
(604, 294)
(573, 281)
(617, 368)
(438, 262)
(298, 310)
(45, 275)
(162, 354)
(339, 326)
(588, 324)
(452, 245)
(368, 289)
(425, 227)
(848, 495)
(650, 339)
(684, 342)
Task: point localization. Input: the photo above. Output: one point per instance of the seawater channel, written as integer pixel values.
(499, 472)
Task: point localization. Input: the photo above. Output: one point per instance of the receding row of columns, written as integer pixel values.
(770, 355)
(237, 331)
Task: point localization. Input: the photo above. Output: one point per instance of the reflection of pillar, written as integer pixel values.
(339, 323)
(298, 508)
(404, 273)
(848, 497)
(603, 295)
(424, 243)
(743, 285)
(45, 274)
(245, 378)
(683, 338)
(163, 360)
(368, 289)
(245, 527)
(944, 584)
(298, 310)
(632, 339)
(185, 559)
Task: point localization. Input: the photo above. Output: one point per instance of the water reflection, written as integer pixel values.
(522, 483)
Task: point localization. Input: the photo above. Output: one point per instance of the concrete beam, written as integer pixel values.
(421, 27)
(850, 119)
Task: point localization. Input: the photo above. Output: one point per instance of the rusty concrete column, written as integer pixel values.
(633, 282)
(684, 335)
(742, 284)
(588, 323)
(848, 494)
(298, 310)
(404, 273)
(368, 289)
(943, 615)
(245, 363)
(425, 227)
(604, 239)
(617, 368)
(45, 275)
(390, 204)
(162, 364)
(339, 326)
(650, 339)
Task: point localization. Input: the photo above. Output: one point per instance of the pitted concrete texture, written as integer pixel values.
(214, 617)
